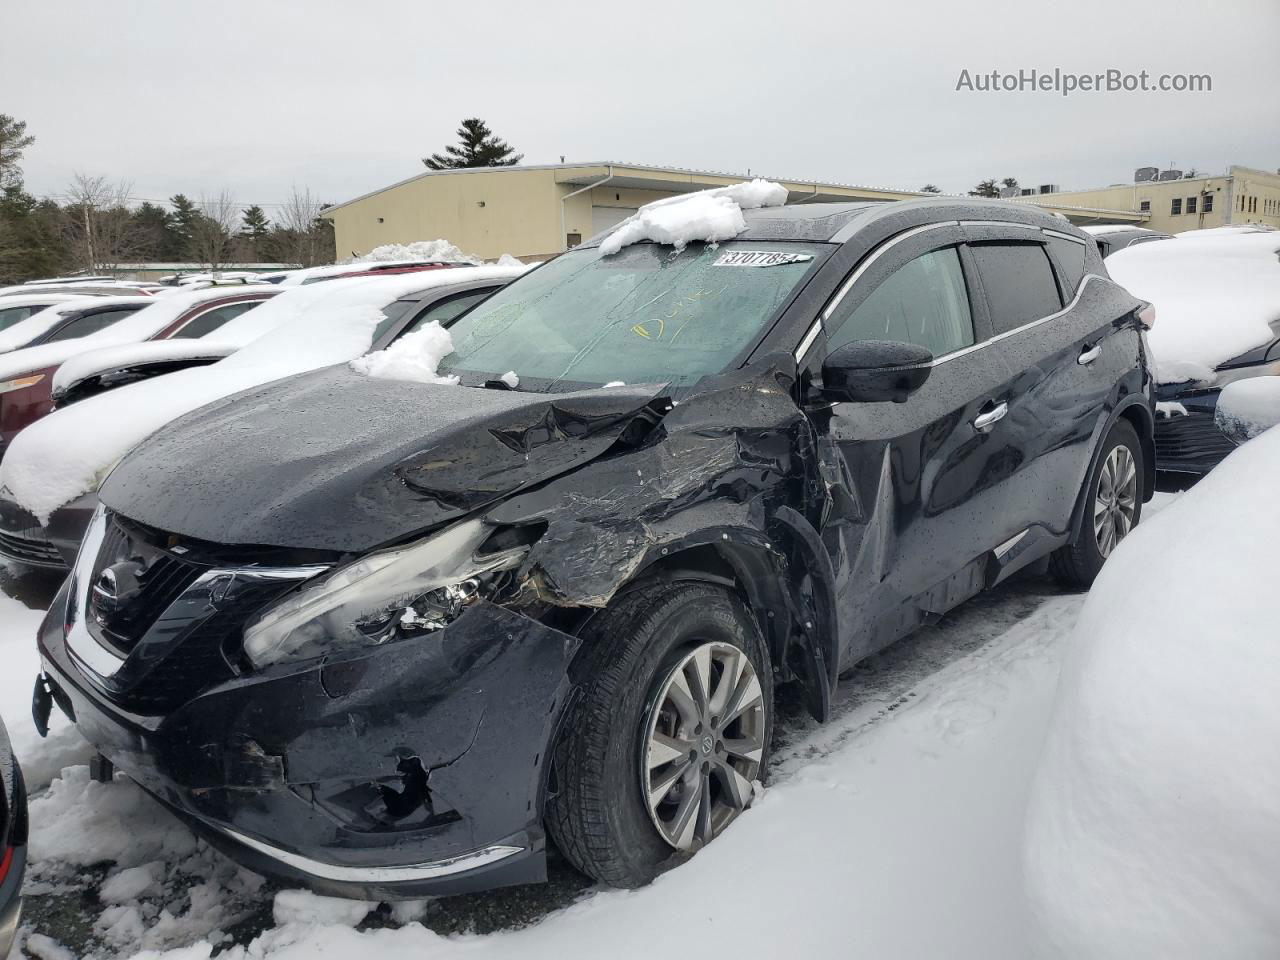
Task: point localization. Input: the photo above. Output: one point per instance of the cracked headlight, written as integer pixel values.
(381, 597)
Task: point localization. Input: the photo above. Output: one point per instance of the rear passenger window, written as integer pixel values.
(15, 315)
(1070, 257)
(83, 326)
(211, 320)
(924, 302)
(1018, 281)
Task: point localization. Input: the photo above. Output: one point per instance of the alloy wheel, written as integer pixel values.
(1116, 499)
(704, 740)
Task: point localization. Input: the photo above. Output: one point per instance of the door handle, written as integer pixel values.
(1089, 354)
(985, 421)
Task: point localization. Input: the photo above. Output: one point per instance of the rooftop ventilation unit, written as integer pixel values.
(1170, 175)
(1145, 174)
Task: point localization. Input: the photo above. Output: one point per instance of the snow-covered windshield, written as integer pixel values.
(642, 315)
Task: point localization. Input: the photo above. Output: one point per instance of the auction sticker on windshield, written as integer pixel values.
(759, 258)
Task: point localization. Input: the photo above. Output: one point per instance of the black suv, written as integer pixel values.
(417, 628)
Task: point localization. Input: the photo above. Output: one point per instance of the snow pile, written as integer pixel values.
(68, 453)
(1216, 292)
(415, 356)
(709, 215)
(1154, 828)
(1248, 407)
(433, 250)
(303, 906)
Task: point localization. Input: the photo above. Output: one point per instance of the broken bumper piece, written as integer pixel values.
(412, 769)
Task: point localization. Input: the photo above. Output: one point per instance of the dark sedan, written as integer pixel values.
(13, 843)
(386, 637)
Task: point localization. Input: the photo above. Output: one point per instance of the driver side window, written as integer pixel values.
(924, 302)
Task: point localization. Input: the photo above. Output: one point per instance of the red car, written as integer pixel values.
(26, 376)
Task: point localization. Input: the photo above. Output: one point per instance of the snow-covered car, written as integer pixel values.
(1217, 296)
(1112, 238)
(538, 570)
(15, 309)
(49, 472)
(1152, 826)
(69, 319)
(27, 375)
(13, 842)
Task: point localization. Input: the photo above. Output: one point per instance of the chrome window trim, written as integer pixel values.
(1064, 236)
(811, 335)
(428, 870)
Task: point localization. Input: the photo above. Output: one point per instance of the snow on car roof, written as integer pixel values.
(69, 452)
(38, 324)
(1216, 294)
(1102, 229)
(707, 215)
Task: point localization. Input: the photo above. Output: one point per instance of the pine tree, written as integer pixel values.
(477, 147)
(155, 229)
(14, 139)
(186, 218)
(987, 188)
(253, 224)
(929, 188)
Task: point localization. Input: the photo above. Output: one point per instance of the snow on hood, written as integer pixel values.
(17, 362)
(708, 215)
(415, 356)
(85, 365)
(1152, 829)
(67, 453)
(1216, 292)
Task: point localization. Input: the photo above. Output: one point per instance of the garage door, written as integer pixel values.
(602, 218)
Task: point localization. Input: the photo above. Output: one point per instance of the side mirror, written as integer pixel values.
(875, 371)
(1247, 407)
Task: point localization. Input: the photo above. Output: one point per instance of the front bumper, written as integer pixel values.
(409, 770)
(53, 546)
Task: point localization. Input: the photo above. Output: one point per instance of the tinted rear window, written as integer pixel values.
(1018, 281)
(83, 326)
(14, 314)
(1071, 258)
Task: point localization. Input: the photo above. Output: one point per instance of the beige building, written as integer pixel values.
(534, 211)
(1242, 195)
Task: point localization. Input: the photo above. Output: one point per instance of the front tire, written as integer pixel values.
(659, 752)
(1113, 507)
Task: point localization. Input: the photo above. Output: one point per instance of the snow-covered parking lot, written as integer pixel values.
(894, 830)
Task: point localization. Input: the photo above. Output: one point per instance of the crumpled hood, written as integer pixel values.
(335, 460)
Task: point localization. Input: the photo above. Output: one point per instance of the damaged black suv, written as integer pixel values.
(384, 637)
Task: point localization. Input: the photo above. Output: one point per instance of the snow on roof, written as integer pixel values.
(1216, 294)
(1102, 229)
(1151, 829)
(708, 215)
(140, 325)
(69, 452)
(36, 299)
(14, 338)
(93, 362)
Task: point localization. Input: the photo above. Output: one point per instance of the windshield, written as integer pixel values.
(643, 315)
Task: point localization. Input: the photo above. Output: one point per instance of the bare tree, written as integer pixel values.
(211, 232)
(101, 227)
(302, 237)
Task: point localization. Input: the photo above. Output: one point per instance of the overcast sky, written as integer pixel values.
(345, 97)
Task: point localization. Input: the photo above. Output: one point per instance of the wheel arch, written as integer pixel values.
(765, 571)
(1135, 411)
